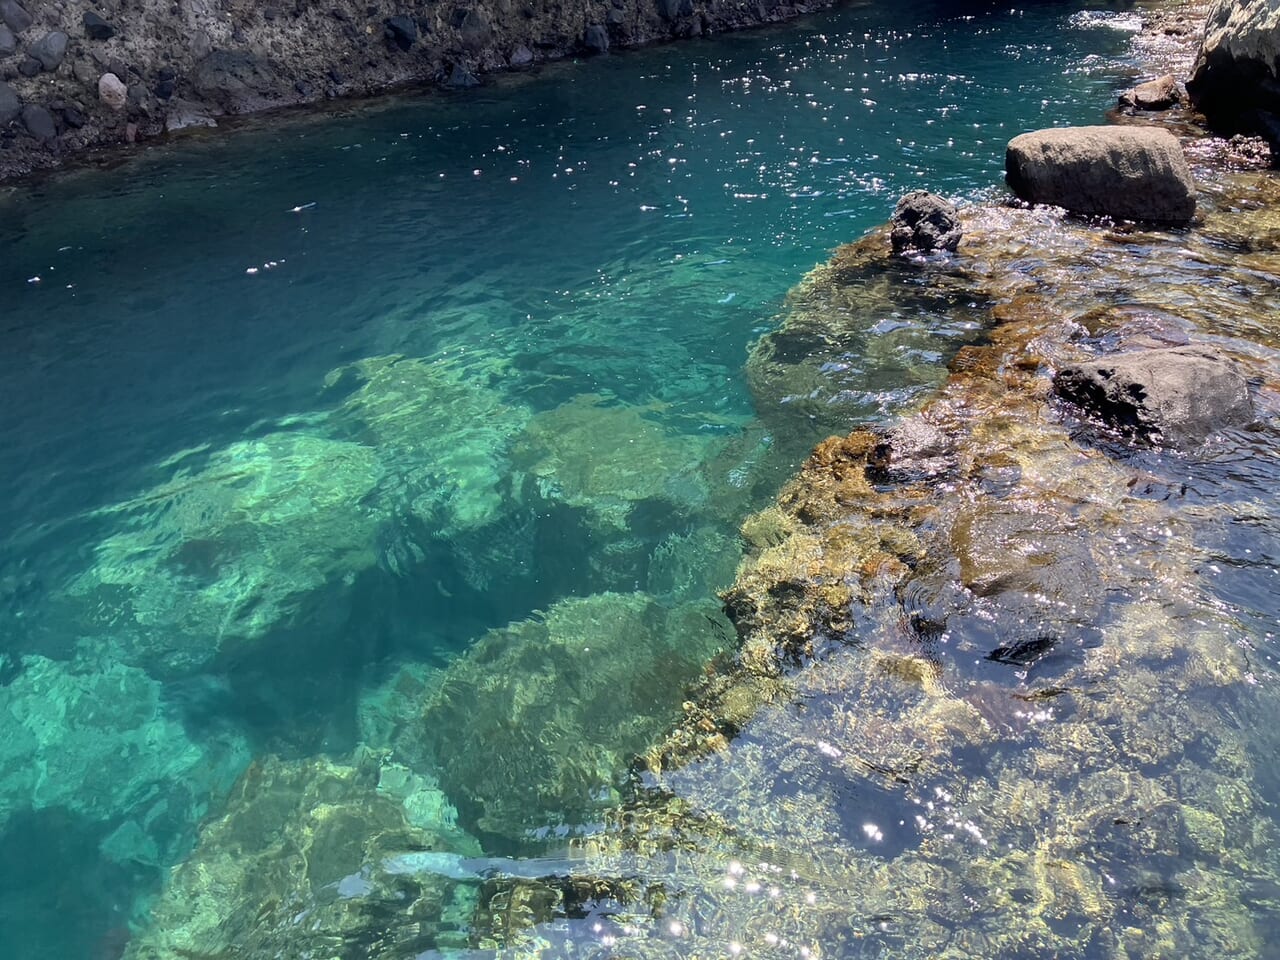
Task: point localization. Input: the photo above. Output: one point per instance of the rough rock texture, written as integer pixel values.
(1234, 80)
(1177, 396)
(1134, 173)
(240, 56)
(1158, 94)
(924, 222)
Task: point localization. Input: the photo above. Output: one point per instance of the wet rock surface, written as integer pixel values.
(1158, 94)
(1127, 172)
(239, 57)
(924, 222)
(1178, 396)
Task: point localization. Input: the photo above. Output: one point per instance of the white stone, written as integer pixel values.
(112, 91)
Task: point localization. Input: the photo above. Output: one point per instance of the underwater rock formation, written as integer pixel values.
(608, 460)
(1235, 80)
(1127, 172)
(518, 756)
(364, 851)
(175, 61)
(98, 740)
(232, 549)
(1177, 396)
(852, 342)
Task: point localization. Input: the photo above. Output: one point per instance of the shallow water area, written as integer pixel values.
(370, 478)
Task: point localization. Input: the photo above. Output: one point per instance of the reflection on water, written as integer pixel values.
(370, 481)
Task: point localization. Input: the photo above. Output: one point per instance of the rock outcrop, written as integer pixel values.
(1132, 173)
(1234, 80)
(240, 56)
(1177, 396)
(924, 222)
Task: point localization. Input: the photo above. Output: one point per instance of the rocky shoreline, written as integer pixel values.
(986, 700)
(76, 75)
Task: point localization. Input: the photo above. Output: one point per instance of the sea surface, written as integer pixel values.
(295, 409)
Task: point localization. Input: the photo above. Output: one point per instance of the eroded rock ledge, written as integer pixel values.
(83, 73)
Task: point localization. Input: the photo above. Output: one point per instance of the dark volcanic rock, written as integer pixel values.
(10, 105)
(460, 78)
(674, 9)
(923, 222)
(1135, 173)
(521, 56)
(1158, 94)
(8, 42)
(239, 82)
(1176, 396)
(39, 122)
(402, 31)
(1235, 80)
(95, 28)
(50, 50)
(14, 15)
(596, 38)
(30, 67)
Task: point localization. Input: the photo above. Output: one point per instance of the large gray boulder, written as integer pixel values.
(1132, 173)
(1174, 396)
(1234, 80)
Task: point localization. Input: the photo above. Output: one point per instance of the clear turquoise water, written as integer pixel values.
(212, 551)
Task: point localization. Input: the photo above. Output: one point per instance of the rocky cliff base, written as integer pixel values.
(76, 74)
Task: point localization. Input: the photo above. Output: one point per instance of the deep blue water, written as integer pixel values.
(594, 246)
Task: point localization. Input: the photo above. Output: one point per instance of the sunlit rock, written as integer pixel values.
(1158, 94)
(239, 544)
(365, 851)
(923, 222)
(1135, 173)
(1177, 397)
(534, 727)
(1234, 80)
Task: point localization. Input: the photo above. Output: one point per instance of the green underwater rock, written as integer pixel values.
(96, 739)
(212, 560)
(443, 429)
(535, 726)
(323, 859)
(609, 460)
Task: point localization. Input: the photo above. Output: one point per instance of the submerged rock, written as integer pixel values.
(98, 739)
(609, 460)
(534, 728)
(1235, 80)
(223, 555)
(1135, 173)
(1176, 397)
(350, 846)
(923, 222)
(1017, 694)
